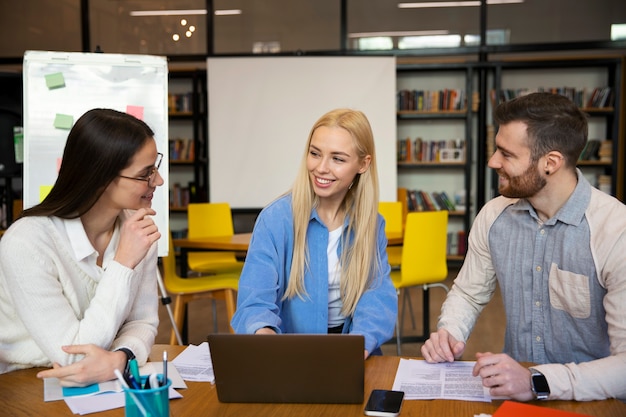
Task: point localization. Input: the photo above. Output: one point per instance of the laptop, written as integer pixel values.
(288, 368)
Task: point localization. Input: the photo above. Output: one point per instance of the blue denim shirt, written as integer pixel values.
(266, 273)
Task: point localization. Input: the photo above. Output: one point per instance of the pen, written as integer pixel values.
(132, 382)
(134, 370)
(164, 367)
(140, 406)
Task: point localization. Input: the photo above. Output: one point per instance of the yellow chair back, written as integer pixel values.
(392, 213)
(208, 220)
(424, 258)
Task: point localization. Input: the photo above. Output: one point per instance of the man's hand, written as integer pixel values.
(96, 366)
(503, 376)
(442, 347)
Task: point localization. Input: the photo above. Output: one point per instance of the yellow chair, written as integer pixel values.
(423, 263)
(221, 286)
(208, 220)
(392, 213)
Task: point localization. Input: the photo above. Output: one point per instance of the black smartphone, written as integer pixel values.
(384, 403)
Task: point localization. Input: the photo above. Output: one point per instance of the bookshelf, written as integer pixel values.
(435, 140)
(187, 143)
(579, 79)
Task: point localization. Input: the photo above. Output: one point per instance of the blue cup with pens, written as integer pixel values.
(145, 396)
(150, 399)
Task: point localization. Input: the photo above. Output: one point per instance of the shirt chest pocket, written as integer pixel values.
(570, 292)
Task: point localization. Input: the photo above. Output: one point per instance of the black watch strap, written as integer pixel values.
(129, 356)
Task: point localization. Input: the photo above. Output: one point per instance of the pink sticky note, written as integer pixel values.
(136, 111)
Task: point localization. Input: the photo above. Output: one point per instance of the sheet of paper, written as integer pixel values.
(102, 402)
(52, 390)
(421, 380)
(194, 363)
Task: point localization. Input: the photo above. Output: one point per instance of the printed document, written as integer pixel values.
(421, 380)
(194, 363)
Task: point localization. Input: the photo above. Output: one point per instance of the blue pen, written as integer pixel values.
(132, 382)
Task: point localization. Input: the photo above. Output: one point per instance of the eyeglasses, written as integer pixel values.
(152, 175)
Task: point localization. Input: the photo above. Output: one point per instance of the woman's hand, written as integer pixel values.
(138, 233)
(96, 366)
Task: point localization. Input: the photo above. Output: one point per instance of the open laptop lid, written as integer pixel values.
(288, 368)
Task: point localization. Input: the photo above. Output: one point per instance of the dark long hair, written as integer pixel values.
(100, 145)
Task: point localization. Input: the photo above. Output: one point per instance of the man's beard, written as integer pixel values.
(522, 186)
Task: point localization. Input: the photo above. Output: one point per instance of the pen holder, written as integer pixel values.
(151, 402)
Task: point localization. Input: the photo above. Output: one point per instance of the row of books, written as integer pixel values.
(420, 150)
(181, 149)
(181, 196)
(420, 200)
(590, 98)
(431, 100)
(457, 243)
(597, 150)
(180, 103)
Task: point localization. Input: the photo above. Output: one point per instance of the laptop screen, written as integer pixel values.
(288, 368)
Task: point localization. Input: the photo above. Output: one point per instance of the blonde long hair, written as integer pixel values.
(359, 258)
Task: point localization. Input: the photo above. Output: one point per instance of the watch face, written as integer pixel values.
(540, 384)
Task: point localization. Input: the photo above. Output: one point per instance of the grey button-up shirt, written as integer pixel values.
(563, 284)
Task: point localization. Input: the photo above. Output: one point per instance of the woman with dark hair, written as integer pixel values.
(78, 272)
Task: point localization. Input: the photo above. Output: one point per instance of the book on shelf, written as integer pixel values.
(456, 244)
(447, 99)
(420, 150)
(180, 103)
(586, 98)
(181, 196)
(181, 149)
(420, 200)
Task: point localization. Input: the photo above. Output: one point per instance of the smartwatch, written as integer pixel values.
(539, 384)
(129, 357)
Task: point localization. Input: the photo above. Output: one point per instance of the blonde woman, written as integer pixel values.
(317, 261)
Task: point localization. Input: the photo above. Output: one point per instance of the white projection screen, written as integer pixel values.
(261, 110)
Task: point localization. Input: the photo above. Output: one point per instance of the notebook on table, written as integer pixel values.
(288, 368)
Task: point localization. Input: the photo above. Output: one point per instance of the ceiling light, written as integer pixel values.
(227, 12)
(166, 12)
(398, 34)
(469, 3)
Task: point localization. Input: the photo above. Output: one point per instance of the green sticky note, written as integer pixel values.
(55, 80)
(63, 121)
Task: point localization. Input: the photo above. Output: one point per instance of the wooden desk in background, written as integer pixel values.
(238, 242)
(21, 395)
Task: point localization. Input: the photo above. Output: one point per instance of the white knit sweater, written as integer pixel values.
(49, 297)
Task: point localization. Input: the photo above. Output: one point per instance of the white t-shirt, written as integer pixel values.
(334, 293)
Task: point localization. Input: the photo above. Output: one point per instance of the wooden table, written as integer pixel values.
(238, 242)
(21, 394)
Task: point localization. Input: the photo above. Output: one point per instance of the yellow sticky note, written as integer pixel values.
(55, 80)
(44, 190)
(63, 121)
(136, 111)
